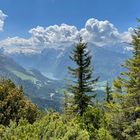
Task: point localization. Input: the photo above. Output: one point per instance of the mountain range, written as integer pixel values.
(41, 90)
(53, 62)
(43, 74)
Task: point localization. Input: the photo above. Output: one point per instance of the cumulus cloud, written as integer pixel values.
(54, 34)
(127, 36)
(101, 33)
(2, 18)
(98, 32)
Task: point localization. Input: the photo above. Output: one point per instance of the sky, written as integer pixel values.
(21, 16)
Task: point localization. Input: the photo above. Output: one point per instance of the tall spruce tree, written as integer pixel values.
(128, 85)
(129, 81)
(82, 73)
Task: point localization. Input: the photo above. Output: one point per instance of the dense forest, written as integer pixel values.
(83, 117)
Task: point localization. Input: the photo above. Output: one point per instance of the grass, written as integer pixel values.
(23, 76)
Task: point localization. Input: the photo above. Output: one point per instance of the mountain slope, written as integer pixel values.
(106, 60)
(41, 90)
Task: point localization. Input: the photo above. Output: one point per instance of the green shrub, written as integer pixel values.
(50, 127)
(13, 104)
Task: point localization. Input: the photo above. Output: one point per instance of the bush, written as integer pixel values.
(13, 104)
(51, 127)
(103, 134)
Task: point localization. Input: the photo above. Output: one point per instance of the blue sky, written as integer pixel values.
(26, 14)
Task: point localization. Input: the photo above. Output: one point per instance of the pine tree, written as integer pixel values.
(108, 92)
(132, 83)
(82, 74)
(129, 80)
(128, 86)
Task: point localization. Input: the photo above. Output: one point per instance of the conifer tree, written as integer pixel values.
(82, 73)
(129, 80)
(108, 92)
(128, 85)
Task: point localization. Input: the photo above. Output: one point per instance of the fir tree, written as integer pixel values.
(129, 80)
(82, 74)
(128, 86)
(108, 92)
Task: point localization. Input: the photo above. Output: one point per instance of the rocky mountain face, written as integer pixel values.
(107, 60)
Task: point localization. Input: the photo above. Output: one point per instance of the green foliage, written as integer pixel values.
(68, 106)
(50, 127)
(103, 134)
(13, 104)
(133, 130)
(129, 81)
(128, 86)
(94, 120)
(82, 73)
(108, 93)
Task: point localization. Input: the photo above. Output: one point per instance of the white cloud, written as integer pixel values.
(17, 44)
(102, 33)
(98, 32)
(54, 34)
(2, 18)
(127, 36)
(16, 41)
